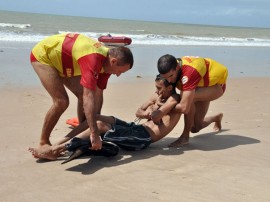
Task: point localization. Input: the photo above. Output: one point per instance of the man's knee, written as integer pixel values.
(62, 103)
(100, 125)
(196, 128)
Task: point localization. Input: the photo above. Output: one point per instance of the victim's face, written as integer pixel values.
(162, 91)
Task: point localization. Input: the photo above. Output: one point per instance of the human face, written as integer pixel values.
(171, 76)
(117, 69)
(162, 91)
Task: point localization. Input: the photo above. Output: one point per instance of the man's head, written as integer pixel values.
(163, 87)
(120, 60)
(168, 68)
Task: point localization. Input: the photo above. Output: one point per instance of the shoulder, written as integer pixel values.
(153, 97)
(152, 100)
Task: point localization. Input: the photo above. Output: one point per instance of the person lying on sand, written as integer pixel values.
(160, 121)
(159, 112)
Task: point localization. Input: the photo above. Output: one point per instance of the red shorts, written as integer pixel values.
(223, 86)
(33, 58)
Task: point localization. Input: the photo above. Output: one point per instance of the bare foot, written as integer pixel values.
(180, 142)
(217, 126)
(44, 152)
(44, 143)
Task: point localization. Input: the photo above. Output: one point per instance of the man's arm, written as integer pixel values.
(143, 111)
(89, 104)
(170, 104)
(98, 100)
(187, 98)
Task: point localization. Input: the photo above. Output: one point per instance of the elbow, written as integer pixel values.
(182, 109)
(138, 114)
(185, 111)
(141, 114)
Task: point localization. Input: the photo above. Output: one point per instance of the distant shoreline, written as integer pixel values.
(16, 69)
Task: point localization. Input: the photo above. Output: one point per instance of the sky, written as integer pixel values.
(243, 13)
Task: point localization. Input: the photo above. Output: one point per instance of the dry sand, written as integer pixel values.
(232, 165)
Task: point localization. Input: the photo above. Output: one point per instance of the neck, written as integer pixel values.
(106, 64)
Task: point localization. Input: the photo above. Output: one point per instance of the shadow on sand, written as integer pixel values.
(204, 142)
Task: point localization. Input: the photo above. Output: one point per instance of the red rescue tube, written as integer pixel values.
(115, 40)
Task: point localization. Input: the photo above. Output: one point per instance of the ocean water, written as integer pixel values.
(245, 51)
(25, 27)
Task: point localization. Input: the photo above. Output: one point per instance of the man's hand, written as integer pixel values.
(156, 117)
(95, 141)
(160, 101)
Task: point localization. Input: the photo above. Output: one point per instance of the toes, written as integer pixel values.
(30, 149)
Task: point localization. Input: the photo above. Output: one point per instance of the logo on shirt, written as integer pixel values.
(184, 79)
(97, 45)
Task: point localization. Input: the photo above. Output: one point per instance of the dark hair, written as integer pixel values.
(123, 55)
(166, 63)
(165, 82)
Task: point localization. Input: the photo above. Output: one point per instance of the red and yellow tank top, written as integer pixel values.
(201, 72)
(74, 55)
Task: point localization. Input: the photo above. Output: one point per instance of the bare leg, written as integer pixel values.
(208, 93)
(194, 120)
(47, 151)
(102, 121)
(200, 121)
(73, 84)
(53, 152)
(217, 127)
(207, 121)
(201, 110)
(53, 84)
(188, 121)
(76, 131)
(202, 99)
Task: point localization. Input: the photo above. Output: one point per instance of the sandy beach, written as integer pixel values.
(229, 166)
(232, 165)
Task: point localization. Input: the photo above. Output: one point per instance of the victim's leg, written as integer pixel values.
(53, 152)
(102, 126)
(47, 151)
(52, 83)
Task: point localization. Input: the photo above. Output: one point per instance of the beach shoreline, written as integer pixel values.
(229, 166)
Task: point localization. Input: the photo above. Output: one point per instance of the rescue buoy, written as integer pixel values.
(115, 40)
